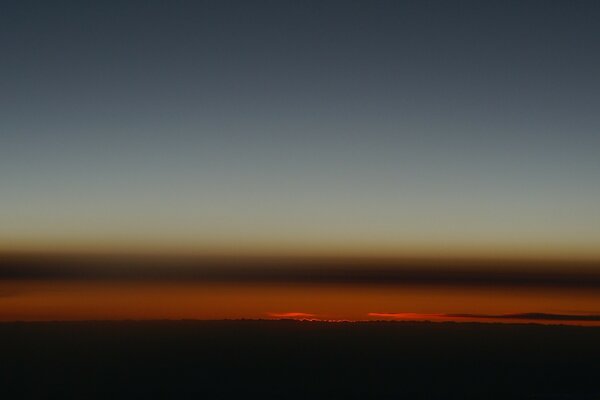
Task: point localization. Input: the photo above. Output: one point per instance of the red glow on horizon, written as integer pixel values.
(33, 300)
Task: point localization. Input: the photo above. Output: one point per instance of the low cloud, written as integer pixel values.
(517, 316)
(531, 316)
(351, 271)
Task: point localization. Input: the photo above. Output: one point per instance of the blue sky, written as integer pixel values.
(376, 126)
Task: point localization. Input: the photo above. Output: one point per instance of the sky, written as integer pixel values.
(346, 127)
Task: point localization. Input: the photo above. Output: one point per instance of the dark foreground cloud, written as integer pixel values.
(531, 316)
(512, 317)
(568, 275)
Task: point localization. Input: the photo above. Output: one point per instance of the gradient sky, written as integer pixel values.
(372, 126)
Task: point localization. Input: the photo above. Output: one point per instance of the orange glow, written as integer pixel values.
(408, 316)
(294, 315)
(72, 300)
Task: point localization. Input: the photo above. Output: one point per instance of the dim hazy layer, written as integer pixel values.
(83, 287)
(302, 270)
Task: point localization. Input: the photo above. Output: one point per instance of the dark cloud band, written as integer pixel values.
(531, 316)
(303, 271)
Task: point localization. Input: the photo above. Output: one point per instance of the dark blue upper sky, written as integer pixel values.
(369, 125)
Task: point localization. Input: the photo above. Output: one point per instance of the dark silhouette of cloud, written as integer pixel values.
(461, 273)
(531, 316)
